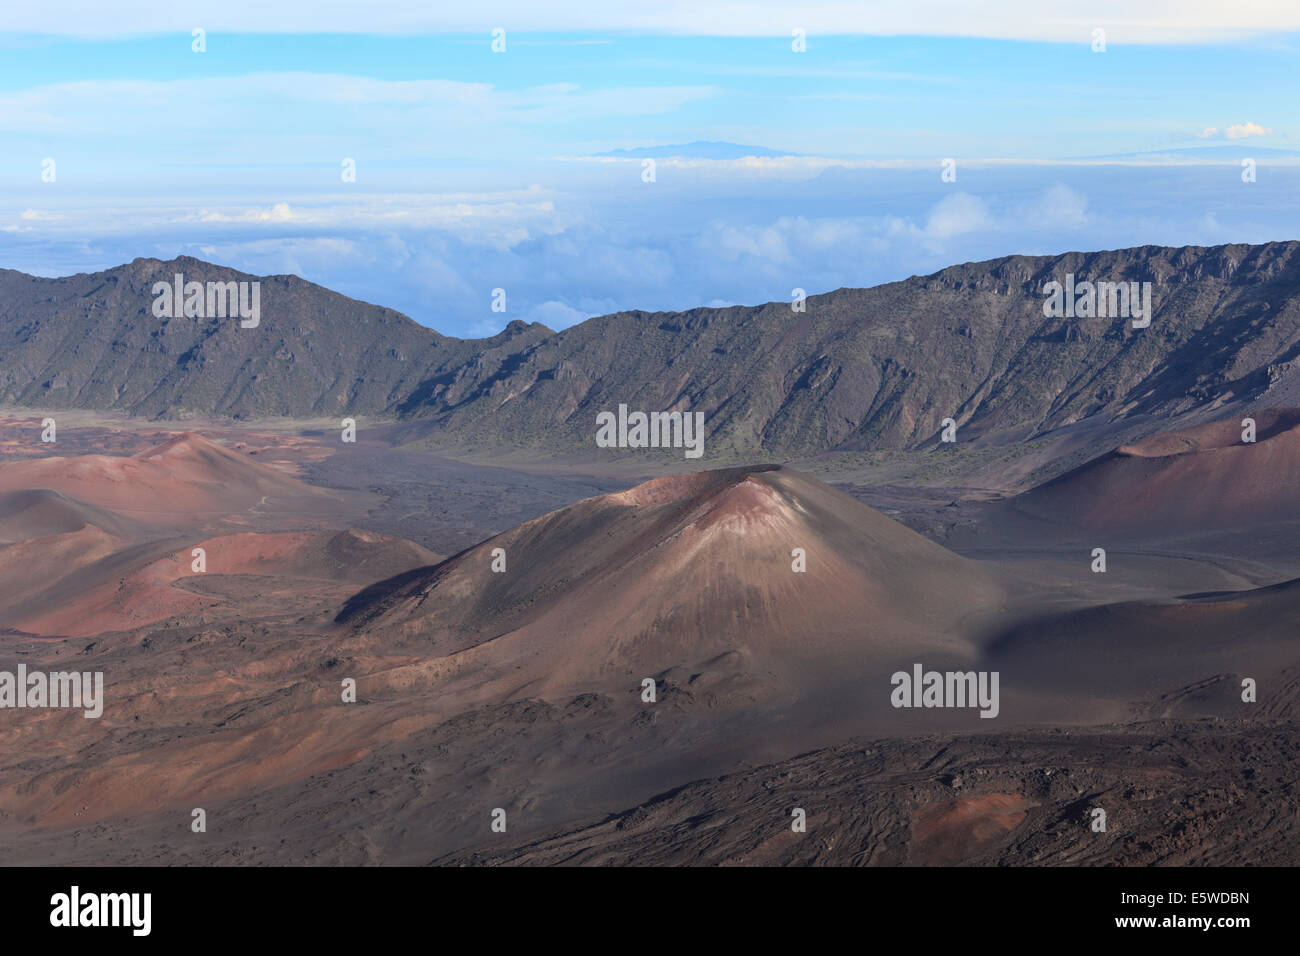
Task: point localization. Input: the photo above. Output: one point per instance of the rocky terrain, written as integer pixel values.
(370, 652)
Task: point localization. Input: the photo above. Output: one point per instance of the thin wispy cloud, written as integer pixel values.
(1134, 21)
(91, 107)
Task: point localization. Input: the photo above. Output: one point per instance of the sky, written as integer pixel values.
(1067, 126)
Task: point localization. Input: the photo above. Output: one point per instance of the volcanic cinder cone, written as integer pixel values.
(689, 576)
(1183, 482)
(83, 583)
(97, 543)
(184, 477)
(40, 512)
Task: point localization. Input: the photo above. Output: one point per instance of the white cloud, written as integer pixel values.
(499, 219)
(957, 214)
(1243, 130)
(1235, 131)
(767, 243)
(554, 314)
(280, 212)
(1061, 206)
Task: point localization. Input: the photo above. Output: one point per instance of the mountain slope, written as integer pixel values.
(92, 341)
(882, 367)
(860, 369)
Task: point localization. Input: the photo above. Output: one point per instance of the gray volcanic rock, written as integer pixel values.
(882, 367)
(860, 369)
(92, 341)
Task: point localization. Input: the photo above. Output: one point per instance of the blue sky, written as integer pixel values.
(477, 170)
